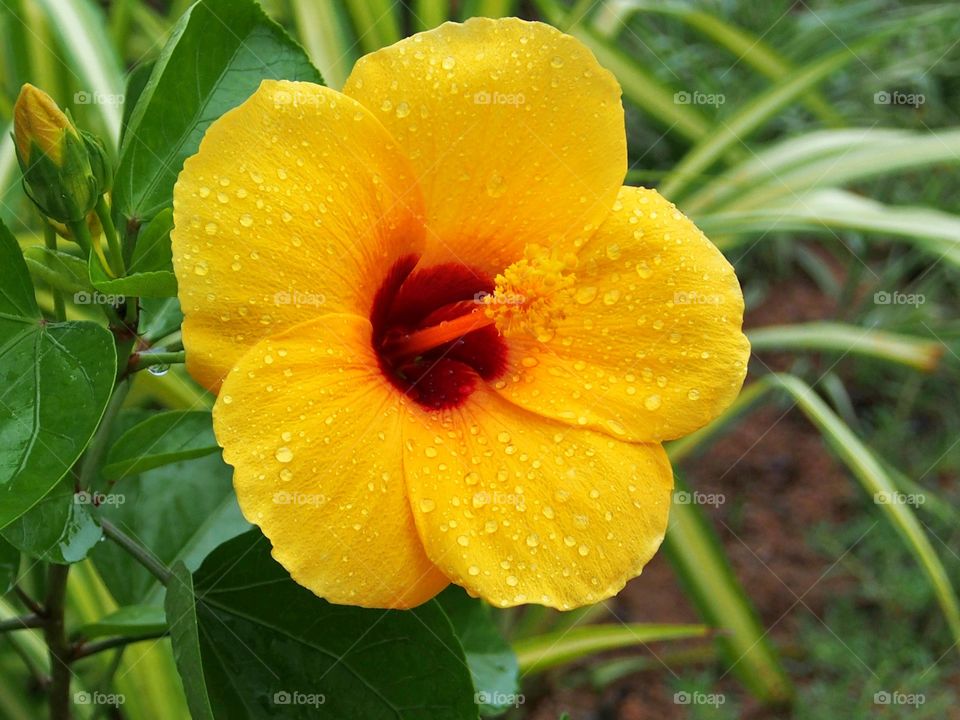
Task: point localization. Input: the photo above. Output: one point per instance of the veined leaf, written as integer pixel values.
(249, 639)
(130, 620)
(55, 382)
(216, 57)
(159, 440)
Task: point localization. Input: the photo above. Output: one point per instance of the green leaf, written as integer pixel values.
(9, 565)
(159, 317)
(181, 611)
(842, 339)
(880, 487)
(542, 652)
(160, 440)
(55, 382)
(59, 269)
(251, 643)
(751, 116)
(179, 512)
(150, 271)
(81, 30)
(207, 67)
(493, 666)
(136, 82)
(704, 571)
(932, 231)
(59, 529)
(130, 621)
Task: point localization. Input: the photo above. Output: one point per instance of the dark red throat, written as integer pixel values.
(431, 335)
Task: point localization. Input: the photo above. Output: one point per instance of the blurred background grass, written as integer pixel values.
(817, 143)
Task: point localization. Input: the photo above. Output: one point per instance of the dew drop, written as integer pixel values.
(586, 295)
(448, 63)
(427, 505)
(246, 220)
(652, 402)
(284, 454)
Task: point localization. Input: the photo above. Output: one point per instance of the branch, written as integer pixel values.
(21, 623)
(56, 637)
(135, 549)
(82, 650)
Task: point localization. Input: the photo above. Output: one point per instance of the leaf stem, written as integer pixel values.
(50, 240)
(28, 602)
(143, 360)
(82, 650)
(26, 622)
(137, 551)
(56, 638)
(113, 240)
(94, 455)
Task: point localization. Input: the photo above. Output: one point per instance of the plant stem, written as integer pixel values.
(113, 240)
(88, 649)
(141, 361)
(56, 638)
(91, 459)
(50, 240)
(137, 551)
(28, 602)
(21, 623)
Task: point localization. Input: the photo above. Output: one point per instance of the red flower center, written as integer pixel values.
(431, 335)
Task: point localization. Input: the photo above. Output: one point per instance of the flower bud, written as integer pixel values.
(55, 158)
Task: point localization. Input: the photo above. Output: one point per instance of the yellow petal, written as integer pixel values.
(520, 509)
(650, 346)
(295, 203)
(515, 131)
(313, 432)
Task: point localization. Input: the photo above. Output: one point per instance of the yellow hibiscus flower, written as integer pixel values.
(447, 342)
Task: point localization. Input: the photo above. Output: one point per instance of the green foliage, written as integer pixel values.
(252, 643)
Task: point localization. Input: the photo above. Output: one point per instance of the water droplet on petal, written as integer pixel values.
(284, 454)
